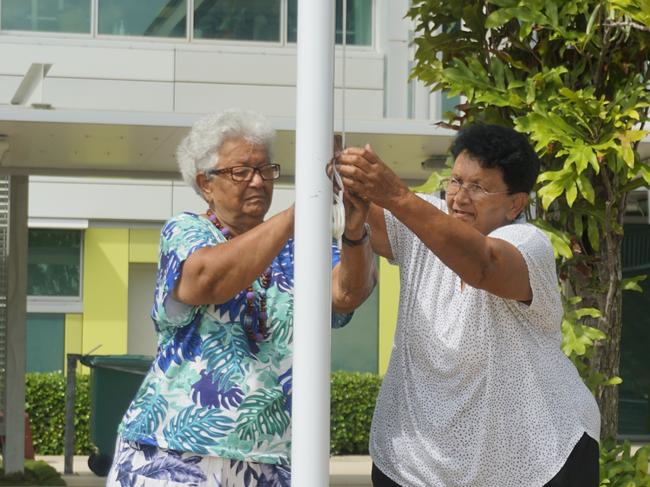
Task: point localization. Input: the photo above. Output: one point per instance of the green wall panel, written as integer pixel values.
(45, 342)
(634, 408)
(355, 346)
(634, 405)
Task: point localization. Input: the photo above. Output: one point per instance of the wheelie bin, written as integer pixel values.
(114, 381)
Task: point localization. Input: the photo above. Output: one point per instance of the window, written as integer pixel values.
(69, 16)
(637, 207)
(358, 22)
(448, 105)
(54, 263)
(147, 18)
(250, 20)
(235, 20)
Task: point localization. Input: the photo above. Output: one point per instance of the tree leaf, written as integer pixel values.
(592, 232)
(586, 189)
(632, 283)
(500, 17)
(550, 192)
(433, 183)
(571, 194)
(645, 172)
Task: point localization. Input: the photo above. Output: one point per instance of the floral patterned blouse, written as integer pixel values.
(211, 390)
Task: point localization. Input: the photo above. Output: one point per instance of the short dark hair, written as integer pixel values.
(503, 148)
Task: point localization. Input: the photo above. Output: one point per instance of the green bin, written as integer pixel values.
(114, 381)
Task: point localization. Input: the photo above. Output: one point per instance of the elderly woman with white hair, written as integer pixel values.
(215, 407)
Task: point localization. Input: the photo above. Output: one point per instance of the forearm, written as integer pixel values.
(461, 247)
(354, 278)
(216, 274)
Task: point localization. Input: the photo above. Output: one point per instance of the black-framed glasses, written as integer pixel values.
(474, 190)
(244, 174)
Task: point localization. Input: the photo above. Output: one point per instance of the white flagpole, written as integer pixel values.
(312, 290)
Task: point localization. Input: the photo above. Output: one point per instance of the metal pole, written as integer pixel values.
(312, 291)
(16, 334)
(70, 394)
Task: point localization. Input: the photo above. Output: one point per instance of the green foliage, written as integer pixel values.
(353, 399)
(620, 468)
(37, 472)
(578, 341)
(45, 404)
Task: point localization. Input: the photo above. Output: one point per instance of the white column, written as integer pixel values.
(312, 291)
(393, 32)
(16, 326)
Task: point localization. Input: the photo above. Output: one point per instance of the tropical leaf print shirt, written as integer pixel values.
(211, 390)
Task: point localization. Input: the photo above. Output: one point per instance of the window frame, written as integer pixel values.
(337, 47)
(131, 38)
(239, 42)
(60, 304)
(52, 34)
(189, 38)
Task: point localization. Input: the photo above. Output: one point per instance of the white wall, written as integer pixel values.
(100, 200)
(203, 76)
(183, 78)
(141, 339)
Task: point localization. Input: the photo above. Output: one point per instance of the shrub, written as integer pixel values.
(45, 404)
(620, 468)
(353, 402)
(37, 472)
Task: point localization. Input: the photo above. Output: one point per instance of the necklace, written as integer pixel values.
(254, 331)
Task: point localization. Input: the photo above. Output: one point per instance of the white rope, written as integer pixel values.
(338, 209)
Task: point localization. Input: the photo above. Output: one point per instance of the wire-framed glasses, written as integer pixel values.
(244, 174)
(474, 190)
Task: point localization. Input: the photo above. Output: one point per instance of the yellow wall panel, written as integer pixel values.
(73, 337)
(144, 245)
(105, 290)
(388, 303)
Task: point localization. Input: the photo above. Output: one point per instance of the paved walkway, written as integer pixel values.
(345, 471)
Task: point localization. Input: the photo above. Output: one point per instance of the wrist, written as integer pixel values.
(356, 238)
(401, 199)
(355, 233)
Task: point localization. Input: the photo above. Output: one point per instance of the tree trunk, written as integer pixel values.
(609, 301)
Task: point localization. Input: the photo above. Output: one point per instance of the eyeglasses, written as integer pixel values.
(244, 174)
(475, 191)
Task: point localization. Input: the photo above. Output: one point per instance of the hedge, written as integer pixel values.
(36, 472)
(353, 401)
(45, 404)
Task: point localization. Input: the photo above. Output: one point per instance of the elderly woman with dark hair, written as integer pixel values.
(215, 407)
(478, 392)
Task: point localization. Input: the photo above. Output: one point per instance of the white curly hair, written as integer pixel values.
(199, 150)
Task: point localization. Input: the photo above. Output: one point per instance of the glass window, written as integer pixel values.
(70, 16)
(54, 263)
(250, 20)
(448, 104)
(148, 18)
(358, 20)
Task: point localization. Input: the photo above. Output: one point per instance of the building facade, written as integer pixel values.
(96, 94)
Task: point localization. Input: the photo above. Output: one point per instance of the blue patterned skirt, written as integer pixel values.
(136, 465)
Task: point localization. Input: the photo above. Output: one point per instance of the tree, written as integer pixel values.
(573, 75)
